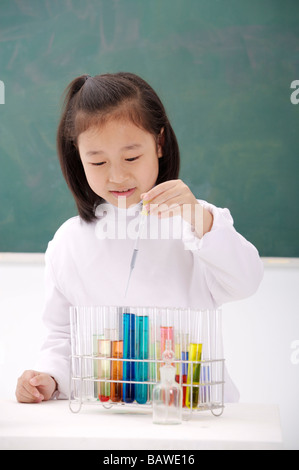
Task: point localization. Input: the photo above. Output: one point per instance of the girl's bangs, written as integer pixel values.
(128, 110)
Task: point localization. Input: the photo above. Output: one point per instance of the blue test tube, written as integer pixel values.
(129, 353)
(142, 353)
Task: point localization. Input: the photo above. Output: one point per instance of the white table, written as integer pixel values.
(51, 425)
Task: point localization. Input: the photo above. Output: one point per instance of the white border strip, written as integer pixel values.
(39, 258)
(22, 258)
(281, 262)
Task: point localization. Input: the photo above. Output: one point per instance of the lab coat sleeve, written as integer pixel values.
(54, 357)
(233, 267)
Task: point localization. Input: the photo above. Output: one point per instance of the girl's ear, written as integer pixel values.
(160, 143)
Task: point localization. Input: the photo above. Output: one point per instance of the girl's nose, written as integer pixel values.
(117, 174)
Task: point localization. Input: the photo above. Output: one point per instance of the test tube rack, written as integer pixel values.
(116, 355)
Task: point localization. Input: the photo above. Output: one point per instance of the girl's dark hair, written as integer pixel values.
(91, 101)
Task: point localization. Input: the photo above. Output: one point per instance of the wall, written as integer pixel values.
(258, 334)
(224, 71)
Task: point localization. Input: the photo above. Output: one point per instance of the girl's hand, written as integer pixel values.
(34, 387)
(175, 198)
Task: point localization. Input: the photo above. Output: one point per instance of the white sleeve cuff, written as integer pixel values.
(221, 218)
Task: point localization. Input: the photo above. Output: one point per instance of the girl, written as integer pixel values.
(116, 148)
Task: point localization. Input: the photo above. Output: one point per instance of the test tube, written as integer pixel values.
(182, 326)
(116, 353)
(100, 349)
(95, 353)
(86, 315)
(166, 329)
(195, 350)
(177, 352)
(142, 354)
(76, 366)
(216, 368)
(154, 348)
(104, 350)
(182, 354)
(129, 353)
(205, 372)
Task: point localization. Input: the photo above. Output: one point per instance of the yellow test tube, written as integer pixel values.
(193, 376)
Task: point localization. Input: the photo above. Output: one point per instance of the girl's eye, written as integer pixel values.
(98, 164)
(133, 159)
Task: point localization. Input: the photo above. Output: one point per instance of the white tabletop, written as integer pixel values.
(51, 425)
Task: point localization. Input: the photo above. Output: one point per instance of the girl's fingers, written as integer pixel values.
(161, 188)
(171, 211)
(170, 193)
(40, 380)
(27, 392)
(26, 396)
(31, 391)
(165, 200)
(170, 199)
(173, 207)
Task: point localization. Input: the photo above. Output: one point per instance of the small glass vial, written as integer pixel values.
(167, 394)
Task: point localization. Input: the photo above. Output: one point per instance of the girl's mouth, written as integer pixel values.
(125, 193)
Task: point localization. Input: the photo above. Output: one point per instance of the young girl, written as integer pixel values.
(117, 148)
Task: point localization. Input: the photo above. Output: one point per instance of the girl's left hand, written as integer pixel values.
(174, 197)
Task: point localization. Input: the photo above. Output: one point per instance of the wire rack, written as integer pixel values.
(117, 355)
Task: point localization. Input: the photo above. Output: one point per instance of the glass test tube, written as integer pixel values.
(205, 371)
(195, 349)
(154, 349)
(76, 350)
(166, 329)
(101, 348)
(216, 368)
(95, 353)
(182, 327)
(142, 353)
(129, 353)
(116, 353)
(86, 315)
(181, 350)
(104, 350)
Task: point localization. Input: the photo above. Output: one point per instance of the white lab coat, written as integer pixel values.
(88, 264)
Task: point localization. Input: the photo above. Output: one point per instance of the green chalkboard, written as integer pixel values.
(223, 69)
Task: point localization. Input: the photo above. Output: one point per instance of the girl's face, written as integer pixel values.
(119, 160)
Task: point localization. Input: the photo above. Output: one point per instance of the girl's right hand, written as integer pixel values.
(34, 387)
